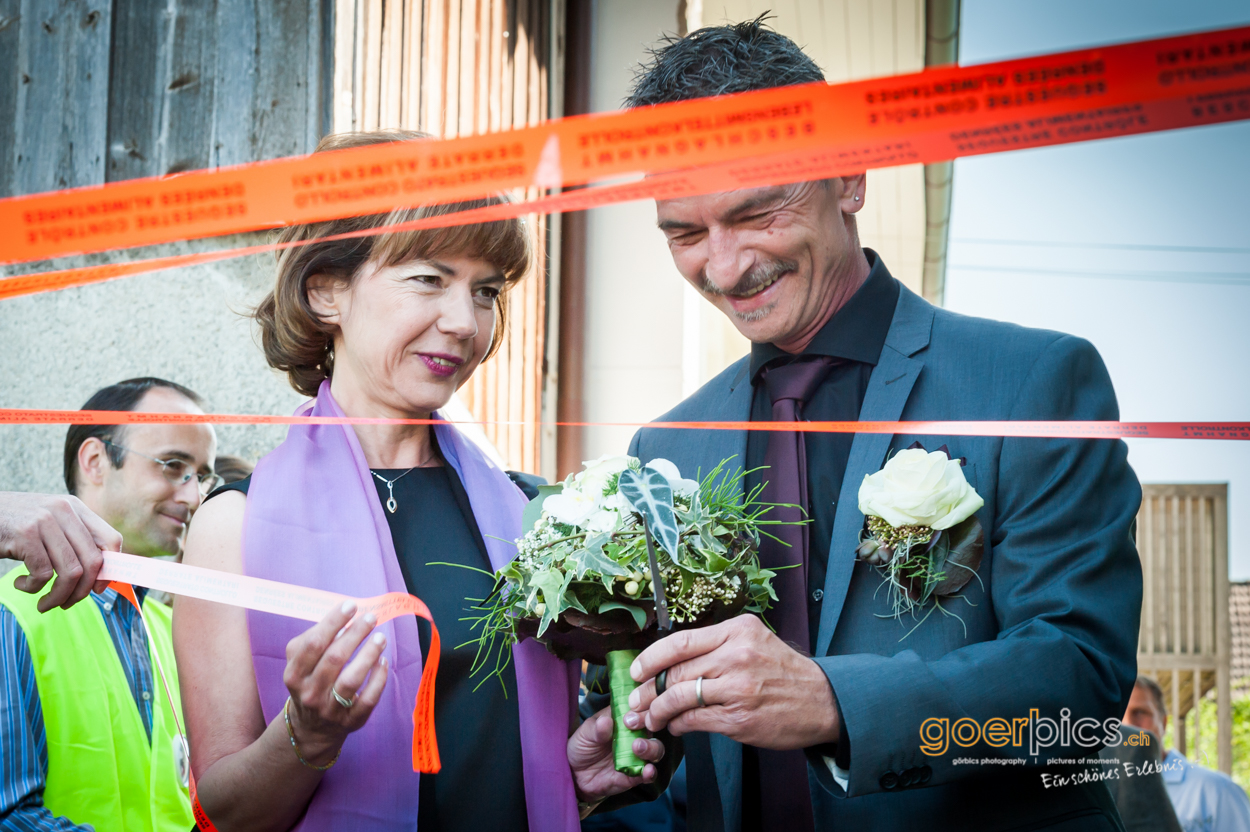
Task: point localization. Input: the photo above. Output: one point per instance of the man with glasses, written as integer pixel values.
(87, 737)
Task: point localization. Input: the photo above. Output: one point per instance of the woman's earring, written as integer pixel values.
(857, 199)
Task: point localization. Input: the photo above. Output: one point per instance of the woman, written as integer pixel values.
(302, 727)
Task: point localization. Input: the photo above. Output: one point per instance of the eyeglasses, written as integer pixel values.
(177, 471)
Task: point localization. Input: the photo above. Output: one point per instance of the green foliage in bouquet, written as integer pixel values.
(581, 583)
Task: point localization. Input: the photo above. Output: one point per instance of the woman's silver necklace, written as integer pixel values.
(391, 505)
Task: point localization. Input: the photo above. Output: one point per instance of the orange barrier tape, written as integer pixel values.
(935, 115)
(682, 183)
(124, 571)
(1034, 429)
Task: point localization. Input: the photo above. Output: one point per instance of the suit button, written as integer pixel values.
(926, 774)
(889, 781)
(908, 778)
(817, 594)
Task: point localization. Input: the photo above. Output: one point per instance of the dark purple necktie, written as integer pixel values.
(785, 802)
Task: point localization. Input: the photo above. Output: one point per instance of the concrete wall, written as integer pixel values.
(186, 325)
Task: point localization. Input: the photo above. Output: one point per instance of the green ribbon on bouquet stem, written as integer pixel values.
(621, 685)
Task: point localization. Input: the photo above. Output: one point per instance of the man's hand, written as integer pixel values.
(759, 690)
(590, 758)
(53, 534)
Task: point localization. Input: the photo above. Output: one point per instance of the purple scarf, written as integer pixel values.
(313, 518)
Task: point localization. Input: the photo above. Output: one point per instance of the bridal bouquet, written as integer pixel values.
(584, 579)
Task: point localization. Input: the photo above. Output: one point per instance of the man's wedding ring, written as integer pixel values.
(338, 697)
(661, 682)
(698, 692)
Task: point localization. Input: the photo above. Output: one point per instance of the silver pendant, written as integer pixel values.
(391, 505)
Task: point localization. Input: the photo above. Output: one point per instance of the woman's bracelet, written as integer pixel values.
(286, 715)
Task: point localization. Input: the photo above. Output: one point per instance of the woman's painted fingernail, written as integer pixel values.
(379, 638)
(370, 619)
(348, 607)
(635, 699)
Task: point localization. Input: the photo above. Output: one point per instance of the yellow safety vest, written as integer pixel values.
(101, 768)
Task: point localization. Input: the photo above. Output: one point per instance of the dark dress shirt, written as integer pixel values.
(855, 336)
(481, 784)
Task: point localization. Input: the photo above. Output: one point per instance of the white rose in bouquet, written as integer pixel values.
(594, 478)
(572, 506)
(603, 521)
(616, 502)
(919, 488)
(680, 485)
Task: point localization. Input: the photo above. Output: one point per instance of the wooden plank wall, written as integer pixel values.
(1185, 637)
(56, 76)
(456, 68)
(102, 90)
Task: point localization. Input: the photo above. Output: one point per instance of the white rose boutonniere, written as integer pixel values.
(921, 531)
(919, 488)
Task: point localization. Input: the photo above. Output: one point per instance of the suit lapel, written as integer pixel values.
(715, 761)
(726, 754)
(888, 390)
(734, 405)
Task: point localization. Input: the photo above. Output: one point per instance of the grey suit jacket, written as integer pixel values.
(1051, 624)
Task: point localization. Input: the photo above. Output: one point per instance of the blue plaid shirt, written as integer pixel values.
(23, 738)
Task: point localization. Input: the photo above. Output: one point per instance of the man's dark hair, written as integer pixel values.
(232, 468)
(124, 395)
(1156, 692)
(719, 60)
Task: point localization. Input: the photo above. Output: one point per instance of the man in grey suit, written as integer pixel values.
(823, 729)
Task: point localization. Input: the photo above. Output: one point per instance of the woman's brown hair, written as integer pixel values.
(295, 338)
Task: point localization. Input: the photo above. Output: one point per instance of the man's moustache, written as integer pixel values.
(753, 279)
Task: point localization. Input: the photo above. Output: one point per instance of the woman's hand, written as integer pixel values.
(318, 666)
(590, 758)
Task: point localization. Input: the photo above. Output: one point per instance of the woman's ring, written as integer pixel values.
(698, 692)
(661, 682)
(338, 697)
